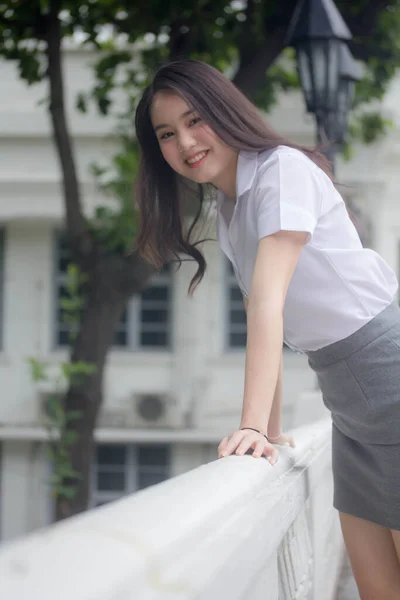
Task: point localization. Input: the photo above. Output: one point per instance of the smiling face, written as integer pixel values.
(190, 146)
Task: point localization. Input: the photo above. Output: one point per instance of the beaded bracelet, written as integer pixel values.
(257, 430)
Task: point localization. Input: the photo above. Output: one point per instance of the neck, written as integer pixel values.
(226, 182)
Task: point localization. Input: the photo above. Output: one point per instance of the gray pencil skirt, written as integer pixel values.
(360, 382)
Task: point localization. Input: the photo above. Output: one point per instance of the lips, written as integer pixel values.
(197, 158)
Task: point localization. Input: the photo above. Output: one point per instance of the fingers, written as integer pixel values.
(287, 441)
(284, 440)
(222, 445)
(267, 450)
(246, 444)
(258, 449)
(231, 444)
(273, 456)
(240, 442)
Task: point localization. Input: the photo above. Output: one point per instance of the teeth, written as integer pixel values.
(196, 158)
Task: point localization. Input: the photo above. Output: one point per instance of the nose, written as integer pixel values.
(186, 141)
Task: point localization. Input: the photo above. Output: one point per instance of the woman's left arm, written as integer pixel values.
(277, 257)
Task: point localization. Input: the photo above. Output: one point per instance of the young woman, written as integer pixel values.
(306, 281)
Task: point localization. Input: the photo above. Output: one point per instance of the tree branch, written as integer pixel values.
(181, 38)
(252, 68)
(363, 52)
(76, 227)
(255, 60)
(363, 23)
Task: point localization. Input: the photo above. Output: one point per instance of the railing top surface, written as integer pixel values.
(195, 518)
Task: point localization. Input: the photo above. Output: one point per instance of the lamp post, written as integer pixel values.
(326, 68)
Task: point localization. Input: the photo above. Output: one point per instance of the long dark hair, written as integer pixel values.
(159, 191)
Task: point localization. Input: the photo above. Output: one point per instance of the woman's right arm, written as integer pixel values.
(274, 424)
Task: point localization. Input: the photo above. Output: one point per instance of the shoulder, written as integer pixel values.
(282, 170)
(291, 185)
(288, 171)
(287, 159)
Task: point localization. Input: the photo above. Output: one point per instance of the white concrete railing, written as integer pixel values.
(235, 528)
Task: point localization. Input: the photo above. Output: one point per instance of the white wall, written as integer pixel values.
(25, 499)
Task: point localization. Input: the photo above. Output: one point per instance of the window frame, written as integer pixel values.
(135, 327)
(230, 282)
(131, 470)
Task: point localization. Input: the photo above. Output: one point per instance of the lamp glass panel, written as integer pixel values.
(333, 49)
(351, 91)
(324, 55)
(303, 61)
(342, 111)
(319, 57)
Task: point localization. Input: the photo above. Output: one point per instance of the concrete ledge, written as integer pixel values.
(223, 530)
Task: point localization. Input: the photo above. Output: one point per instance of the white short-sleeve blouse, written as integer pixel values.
(338, 286)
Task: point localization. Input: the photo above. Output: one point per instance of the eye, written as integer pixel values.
(165, 136)
(195, 120)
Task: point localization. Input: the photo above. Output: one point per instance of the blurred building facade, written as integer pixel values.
(174, 377)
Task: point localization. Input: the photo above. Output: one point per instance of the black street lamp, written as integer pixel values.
(349, 73)
(326, 67)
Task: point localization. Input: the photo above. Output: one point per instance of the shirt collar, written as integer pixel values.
(246, 171)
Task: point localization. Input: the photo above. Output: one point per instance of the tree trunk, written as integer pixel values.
(253, 65)
(94, 339)
(256, 58)
(76, 227)
(112, 281)
(110, 286)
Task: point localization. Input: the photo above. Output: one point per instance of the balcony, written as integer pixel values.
(234, 528)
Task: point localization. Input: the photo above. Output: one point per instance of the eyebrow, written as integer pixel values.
(163, 125)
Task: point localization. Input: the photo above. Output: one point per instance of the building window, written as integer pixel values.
(121, 469)
(146, 321)
(154, 312)
(236, 313)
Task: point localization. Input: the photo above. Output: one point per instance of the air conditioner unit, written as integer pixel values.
(156, 410)
(146, 411)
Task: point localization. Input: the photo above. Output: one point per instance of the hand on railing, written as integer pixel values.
(282, 440)
(243, 440)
